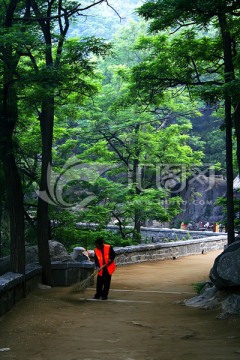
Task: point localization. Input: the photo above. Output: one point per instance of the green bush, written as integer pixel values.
(65, 231)
(72, 237)
(198, 287)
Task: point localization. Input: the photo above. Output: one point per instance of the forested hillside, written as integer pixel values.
(103, 21)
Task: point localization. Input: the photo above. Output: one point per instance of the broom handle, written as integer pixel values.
(85, 281)
(97, 271)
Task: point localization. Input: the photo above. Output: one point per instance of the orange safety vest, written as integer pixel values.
(106, 249)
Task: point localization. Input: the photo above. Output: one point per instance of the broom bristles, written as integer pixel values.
(81, 286)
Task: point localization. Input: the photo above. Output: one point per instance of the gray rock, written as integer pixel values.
(224, 291)
(225, 272)
(202, 206)
(209, 298)
(58, 251)
(31, 254)
(212, 298)
(231, 305)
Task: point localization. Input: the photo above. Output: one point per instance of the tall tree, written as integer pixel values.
(40, 19)
(53, 18)
(221, 13)
(9, 58)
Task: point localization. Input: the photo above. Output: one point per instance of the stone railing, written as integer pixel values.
(172, 250)
(15, 286)
(153, 235)
(156, 234)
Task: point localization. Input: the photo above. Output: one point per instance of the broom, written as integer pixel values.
(82, 285)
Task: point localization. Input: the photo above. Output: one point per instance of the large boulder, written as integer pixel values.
(199, 200)
(58, 251)
(225, 272)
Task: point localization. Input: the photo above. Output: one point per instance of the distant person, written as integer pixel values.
(206, 225)
(104, 254)
(190, 226)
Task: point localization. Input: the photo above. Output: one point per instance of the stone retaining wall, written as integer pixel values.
(173, 250)
(155, 234)
(14, 286)
(169, 235)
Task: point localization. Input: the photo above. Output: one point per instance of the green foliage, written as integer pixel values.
(198, 287)
(106, 19)
(133, 107)
(176, 62)
(88, 238)
(166, 14)
(63, 224)
(72, 237)
(65, 229)
(120, 136)
(222, 201)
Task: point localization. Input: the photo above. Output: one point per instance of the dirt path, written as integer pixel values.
(142, 320)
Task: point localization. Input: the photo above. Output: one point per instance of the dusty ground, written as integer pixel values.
(142, 320)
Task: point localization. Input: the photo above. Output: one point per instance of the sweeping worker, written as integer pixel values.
(103, 255)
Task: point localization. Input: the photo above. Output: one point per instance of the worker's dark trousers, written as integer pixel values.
(103, 285)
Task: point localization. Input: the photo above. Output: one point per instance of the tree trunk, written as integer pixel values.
(229, 76)
(16, 213)
(13, 183)
(237, 131)
(8, 120)
(229, 167)
(1, 244)
(46, 123)
(137, 215)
